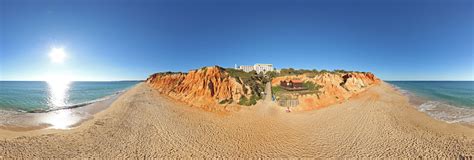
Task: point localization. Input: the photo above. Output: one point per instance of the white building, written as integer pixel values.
(257, 67)
(246, 68)
(263, 67)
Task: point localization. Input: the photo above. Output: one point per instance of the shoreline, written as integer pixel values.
(143, 123)
(60, 119)
(438, 109)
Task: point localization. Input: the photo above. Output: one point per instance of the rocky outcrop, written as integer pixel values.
(216, 89)
(210, 88)
(333, 88)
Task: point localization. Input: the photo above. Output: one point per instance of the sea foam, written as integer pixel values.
(435, 107)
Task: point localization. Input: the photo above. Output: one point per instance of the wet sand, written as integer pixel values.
(57, 119)
(141, 123)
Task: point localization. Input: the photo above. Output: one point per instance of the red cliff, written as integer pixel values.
(204, 88)
(215, 88)
(334, 88)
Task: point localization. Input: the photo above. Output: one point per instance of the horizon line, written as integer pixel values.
(71, 81)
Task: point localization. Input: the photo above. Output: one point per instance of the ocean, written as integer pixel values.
(450, 101)
(41, 96)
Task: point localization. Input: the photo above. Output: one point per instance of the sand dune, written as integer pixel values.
(142, 123)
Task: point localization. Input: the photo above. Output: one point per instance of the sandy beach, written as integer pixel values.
(57, 119)
(141, 123)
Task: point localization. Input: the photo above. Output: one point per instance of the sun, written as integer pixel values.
(57, 55)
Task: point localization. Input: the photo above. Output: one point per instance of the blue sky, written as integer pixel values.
(118, 40)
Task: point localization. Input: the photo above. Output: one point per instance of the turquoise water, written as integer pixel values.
(40, 96)
(452, 101)
(458, 93)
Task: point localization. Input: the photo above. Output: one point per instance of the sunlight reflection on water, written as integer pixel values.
(61, 119)
(58, 98)
(58, 93)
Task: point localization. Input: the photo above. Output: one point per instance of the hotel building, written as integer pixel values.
(257, 67)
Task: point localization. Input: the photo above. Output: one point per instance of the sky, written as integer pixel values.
(129, 40)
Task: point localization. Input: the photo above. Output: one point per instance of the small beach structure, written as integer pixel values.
(292, 85)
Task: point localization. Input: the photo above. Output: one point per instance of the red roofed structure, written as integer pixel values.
(292, 85)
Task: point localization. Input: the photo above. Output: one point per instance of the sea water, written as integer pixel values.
(451, 101)
(41, 96)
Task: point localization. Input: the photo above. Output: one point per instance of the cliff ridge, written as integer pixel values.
(216, 89)
(204, 88)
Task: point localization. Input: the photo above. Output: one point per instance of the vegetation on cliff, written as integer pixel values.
(204, 88)
(248, 102)
(216, 88)
(329, 87)
(209, 87)
(256, 83)
(281, 93)
(310, 73)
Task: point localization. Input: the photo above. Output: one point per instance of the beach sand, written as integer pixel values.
(141, 123)
(57, 119)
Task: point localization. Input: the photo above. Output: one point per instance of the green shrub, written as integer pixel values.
(226, 101)
(253, 100)
(248, 102)
(238, 73)
(310, 75)
(243, 100)
(168, 73)
(310, 86)
(253, 73)
(271, 74)
(287, 72)
(340, 71)
(251, 79)
(276, 89)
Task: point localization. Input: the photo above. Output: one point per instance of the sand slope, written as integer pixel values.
(142, 123)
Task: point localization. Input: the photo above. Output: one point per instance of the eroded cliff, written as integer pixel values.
(216, 89)
(331, 88)
(210, 88)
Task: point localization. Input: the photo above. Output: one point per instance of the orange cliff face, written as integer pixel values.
(208, 87)
(335, 88)
(203, 88)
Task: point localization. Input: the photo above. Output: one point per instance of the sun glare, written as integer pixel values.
(57, 55)
(58, 93)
